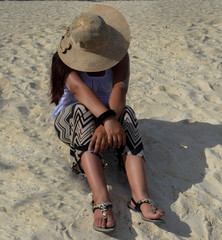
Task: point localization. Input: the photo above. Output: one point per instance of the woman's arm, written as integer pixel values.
(117, 101)
(88, 98)
(84, 94)
(121, 73)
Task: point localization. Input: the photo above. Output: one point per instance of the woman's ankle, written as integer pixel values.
(137, 196)
(101, 197)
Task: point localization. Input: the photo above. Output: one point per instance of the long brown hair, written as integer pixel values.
(59, 73)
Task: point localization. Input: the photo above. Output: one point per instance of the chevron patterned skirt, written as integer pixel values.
(75, 126)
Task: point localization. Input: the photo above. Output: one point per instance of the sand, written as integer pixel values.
(176, 92)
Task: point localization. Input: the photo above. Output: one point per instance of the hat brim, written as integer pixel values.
(111, 54)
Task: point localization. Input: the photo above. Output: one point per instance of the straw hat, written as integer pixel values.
(96, 40)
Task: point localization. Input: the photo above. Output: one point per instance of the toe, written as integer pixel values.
(160, 212)
(100, 223)
(110, 222)
(153, 215)
(103, 223)
(99, 220)
(110, 218)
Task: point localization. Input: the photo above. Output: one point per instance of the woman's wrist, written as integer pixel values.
(107, 114)
(108, 119)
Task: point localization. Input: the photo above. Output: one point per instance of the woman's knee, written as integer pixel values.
(128, 113)
(80, 108)
(81, 112)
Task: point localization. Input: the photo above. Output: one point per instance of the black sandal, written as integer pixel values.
(103, 207)
(137, 209)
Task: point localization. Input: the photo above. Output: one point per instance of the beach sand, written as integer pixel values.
(176, 92)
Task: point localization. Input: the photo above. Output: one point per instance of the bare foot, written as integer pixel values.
(99, 220)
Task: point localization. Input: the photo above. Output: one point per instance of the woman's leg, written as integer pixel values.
(134, 162)
(136, 174)
(92, 166)
(75, 126)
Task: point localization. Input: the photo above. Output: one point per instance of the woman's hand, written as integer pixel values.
(99, 141)
(115, 133)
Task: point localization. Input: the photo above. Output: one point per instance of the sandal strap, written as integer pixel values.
(145, 200)
(103, 207)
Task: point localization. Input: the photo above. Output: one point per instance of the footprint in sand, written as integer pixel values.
(216, 87)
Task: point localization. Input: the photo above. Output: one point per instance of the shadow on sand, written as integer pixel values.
(176, 160)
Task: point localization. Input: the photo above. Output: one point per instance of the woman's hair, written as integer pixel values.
(59, 73)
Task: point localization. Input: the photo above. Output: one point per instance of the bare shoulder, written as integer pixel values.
(73, 80)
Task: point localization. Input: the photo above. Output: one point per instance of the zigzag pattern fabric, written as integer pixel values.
(75, 126)
(134, 144)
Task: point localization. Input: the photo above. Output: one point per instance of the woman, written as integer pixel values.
(89, 82)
